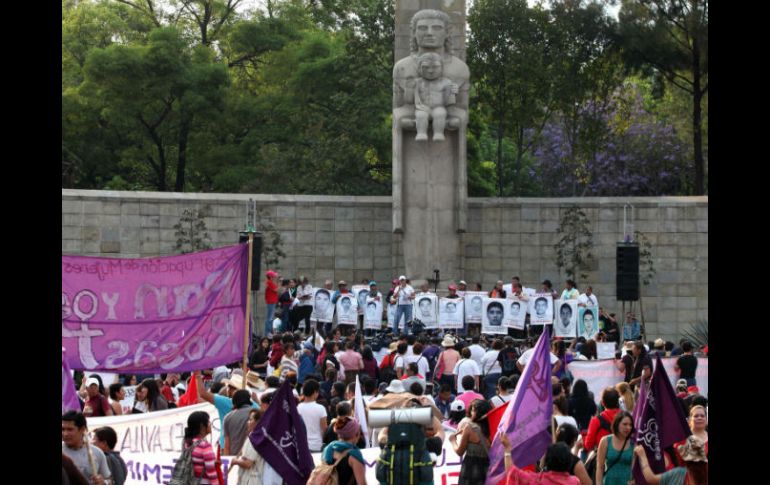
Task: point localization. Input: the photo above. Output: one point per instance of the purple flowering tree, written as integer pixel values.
(616, 148)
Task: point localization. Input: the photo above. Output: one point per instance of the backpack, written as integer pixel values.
(404, 459)
(183, 473)
(326, 474)
(508, 361)
(388, 373)
(590, 463)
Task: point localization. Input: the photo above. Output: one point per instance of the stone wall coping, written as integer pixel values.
(378, 200)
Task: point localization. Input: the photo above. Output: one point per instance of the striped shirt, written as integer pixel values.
(203, 458)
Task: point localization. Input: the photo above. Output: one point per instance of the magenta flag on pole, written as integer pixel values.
(660, 423)
(527, 418)
(154, 315)
(69, 397)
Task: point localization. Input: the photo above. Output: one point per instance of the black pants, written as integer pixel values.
(301, 313)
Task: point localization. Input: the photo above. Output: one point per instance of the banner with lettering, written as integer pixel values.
(154, 315)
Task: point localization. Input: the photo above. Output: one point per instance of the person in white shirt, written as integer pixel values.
(477, 351)
(490, 368)
(403, 296)
(305, 305)
(466, 367)
(588, 298)
(423, 365)
(313, 415)
(522, 362)
(504, 392)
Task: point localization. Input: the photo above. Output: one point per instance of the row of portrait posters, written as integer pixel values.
(495, 315)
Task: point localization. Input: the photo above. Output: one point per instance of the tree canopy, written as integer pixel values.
(207, 95)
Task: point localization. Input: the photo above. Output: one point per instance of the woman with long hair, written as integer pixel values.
(694, 472)
(260, 357)
(581, 405)
(626, 396)
(474, 445)
(148, 398)
(568, 434)
(616, 451)
(351, 468)
(203, 456)
(370, 364)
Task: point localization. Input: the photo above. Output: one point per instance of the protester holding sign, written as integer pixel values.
(89, 459)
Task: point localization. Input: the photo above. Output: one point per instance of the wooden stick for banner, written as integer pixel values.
(90, 455)
(248, 315)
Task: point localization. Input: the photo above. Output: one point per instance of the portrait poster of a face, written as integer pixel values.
(373, 314)
(541, 309)
(588, 323)
(361, 292)
(451, 312)
(474, 306)
(565, 324)
(323, 310)
(515, 313)
(426, 309)
(492, 316)
(347, 309)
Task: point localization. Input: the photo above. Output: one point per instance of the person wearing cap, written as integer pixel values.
(96, 404)
(687, 364)
(457, 414)
(462, 287)
(446, 362)
(271, 299)
(694, 472)
(403, 296)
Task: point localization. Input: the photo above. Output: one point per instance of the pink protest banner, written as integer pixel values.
(154, 315)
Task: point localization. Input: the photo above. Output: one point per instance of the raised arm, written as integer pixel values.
(203, 393)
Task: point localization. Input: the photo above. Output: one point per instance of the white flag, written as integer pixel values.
(361, 412)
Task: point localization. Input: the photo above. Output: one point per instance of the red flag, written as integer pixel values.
(191, 395)
(218, 466)
(493, 418)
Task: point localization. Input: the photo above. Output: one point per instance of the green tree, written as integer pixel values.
(573, 250)
(671, 37)
(153, 96)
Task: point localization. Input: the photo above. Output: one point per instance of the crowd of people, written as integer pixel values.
(461, 375)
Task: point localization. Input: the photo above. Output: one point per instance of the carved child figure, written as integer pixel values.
(432, 95)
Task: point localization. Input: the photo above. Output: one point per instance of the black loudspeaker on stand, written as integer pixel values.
(256, 257)
(627, 272)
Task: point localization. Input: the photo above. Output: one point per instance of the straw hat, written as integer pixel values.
(253, 380)
(393, 346)
(660, 343)
(236, 381)
(449, 341)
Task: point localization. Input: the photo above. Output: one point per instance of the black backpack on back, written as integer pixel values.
(404, 459)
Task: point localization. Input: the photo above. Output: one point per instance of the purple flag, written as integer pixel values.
(660, 423)
(154, 315)
(281, 439)
(69, 398)
(527, 418)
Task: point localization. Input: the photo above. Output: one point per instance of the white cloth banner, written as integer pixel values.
(600, 374)
(450, 312)
(347, 309)
(492, 316)
(425, 309)
(474, 306)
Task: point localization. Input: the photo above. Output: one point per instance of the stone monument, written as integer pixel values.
(430, 86)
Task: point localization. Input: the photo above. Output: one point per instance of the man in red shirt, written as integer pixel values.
(271, 298)
(599, 428)
(96, 404)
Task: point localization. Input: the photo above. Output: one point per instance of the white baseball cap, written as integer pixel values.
(402, 277)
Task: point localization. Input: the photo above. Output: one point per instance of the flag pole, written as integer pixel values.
(247, 318)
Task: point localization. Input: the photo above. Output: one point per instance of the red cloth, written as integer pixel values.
(493, 419)
(276, 354)
(596, 432)
(167, 393)
(271, 293)
(190, 396)
(517, 476)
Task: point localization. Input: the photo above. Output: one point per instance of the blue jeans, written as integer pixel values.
(405, 310)
(269, 318)
(285, 324)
